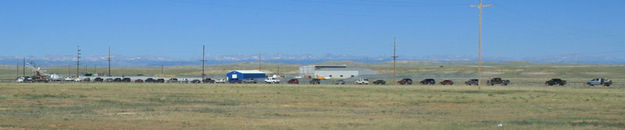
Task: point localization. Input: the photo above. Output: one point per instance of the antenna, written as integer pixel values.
(203, 59)
(394, 60)
(109, 60)
(78, 63)
(479, 42)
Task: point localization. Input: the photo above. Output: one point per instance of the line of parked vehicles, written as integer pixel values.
(470, 82)
(276, 80)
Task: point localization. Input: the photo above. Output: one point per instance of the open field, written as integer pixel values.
(212, 106)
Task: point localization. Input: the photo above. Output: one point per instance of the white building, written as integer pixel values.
(333, 71)
(309, 70)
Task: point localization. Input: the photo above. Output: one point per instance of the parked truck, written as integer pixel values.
(600, 81)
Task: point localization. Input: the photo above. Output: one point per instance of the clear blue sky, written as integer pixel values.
(178, 28)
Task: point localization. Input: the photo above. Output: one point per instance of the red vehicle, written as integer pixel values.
(447, 82)
(293, 81)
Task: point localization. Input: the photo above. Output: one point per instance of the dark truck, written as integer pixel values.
(472, 82)
(379, 82)
(495, 81)
(405, 82)
(555, 81)
(428, 82)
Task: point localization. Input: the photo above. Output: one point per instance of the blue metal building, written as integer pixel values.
(239, 75)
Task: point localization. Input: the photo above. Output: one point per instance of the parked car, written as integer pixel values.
(139, 81)
(472, 82)
(405, 81)
(249, 81)
(379, 82)
(447, 82)
(172, 80)
(600, 81)
(160, 80)
(315, 81)
(208, 80)
(362, 81)
(555, 81)
(150, 80)
(117, 80)
(98, 79)
(293, 81)
(126, 80)
(428, 82)
(196, 81)
(220, 81)
(339, 82)
(495, 81)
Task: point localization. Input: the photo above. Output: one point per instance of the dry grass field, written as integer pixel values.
(212, 106)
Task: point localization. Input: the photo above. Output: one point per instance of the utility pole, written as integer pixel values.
(203, 60)
(395, 61)
(278, 68)
(109, 60)
(78, 63)
(479, 42)
(24, 67)
(259, 62)
(17, 68)
(68, 68)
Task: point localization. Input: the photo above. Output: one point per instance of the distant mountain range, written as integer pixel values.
(292, 59)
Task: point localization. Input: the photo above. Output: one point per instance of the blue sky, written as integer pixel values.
(178, 28)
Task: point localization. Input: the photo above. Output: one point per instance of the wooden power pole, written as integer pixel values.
(109, 61)
(394, 61)
(479, 42)
(203, 59)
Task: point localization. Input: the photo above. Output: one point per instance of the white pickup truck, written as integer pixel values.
(362, 81)
(272, 80)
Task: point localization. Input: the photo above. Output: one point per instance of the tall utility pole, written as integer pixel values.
(78, 63)
(203, 59)
(109, 60)
(479, 42)
(17, 68)
(24, 67)
(394, 61)
(259, 62)
(278, 68)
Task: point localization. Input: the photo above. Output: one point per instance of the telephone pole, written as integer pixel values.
(479, 42)
(109, 60)
(259, 62)
(394, 61)
(24, 67)
(203, 60)
(78, 63)
(17, 68)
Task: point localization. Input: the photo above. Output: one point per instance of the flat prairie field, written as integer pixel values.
(259, 106)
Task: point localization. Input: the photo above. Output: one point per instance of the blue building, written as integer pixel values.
(239, 75)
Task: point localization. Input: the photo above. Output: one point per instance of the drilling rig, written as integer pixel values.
(40, 75)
